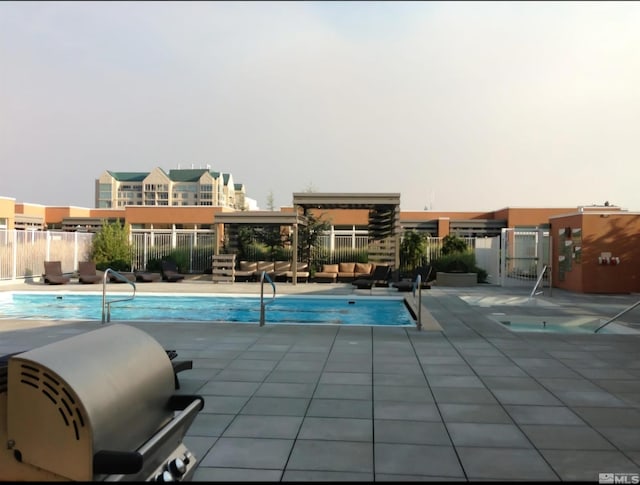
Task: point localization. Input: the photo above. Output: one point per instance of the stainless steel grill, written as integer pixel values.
(96, 406)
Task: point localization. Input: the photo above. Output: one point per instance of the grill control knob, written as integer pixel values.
(187, 457)
(177, 467)
(165, 476)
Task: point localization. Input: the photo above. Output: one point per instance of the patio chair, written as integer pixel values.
(53, 273)
(87, 273)
(379, 278)
(169, 272)
(147, 276)
(407, 284)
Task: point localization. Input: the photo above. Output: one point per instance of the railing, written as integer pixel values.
(106, 305)
(538, 282)
(417, 284)
(265, 276)
(626, 310)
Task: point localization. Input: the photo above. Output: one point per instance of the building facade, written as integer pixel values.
(178, 187)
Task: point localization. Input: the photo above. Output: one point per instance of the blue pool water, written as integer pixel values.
(286, 309)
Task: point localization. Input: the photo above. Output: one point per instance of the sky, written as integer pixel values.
(457, 106)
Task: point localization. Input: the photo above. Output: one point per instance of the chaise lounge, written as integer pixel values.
(53, 273)
(379, 278)
(407, 284)
(87, 273)
(169, 271)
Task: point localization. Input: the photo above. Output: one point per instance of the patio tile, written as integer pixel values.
(345, 366)
(388, 477)
(398, 380)
(511, 383)
(417, 460)
(562, 384)
(607, 417)
(474, 413)
(276, 406)
(293, 376)
(626, 439)
(241, 375)
(499, 370)
(573, 465)
(410, 432)
(558, 437)
(252, 364)
(343, 391)
(224, 404)
(325, 476)
(448, 370)
(228, 388)
(504, 464)
(248, 426)
(402, 393)
(539, 397)
(589, 398)
(340, 408)
(405, 411)
(300, 366)
(456, 381)
(357, 378)
(285, 389)
(214, 474)
(248, 453)
(336, 429)
(337, 456)
(462, 396)
(543, 415)
(487, 435)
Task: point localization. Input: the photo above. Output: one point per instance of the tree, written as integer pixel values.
(111, 247)
(413, 249)
(309, 235)
(453, 244)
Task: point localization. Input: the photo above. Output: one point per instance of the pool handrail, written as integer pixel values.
(626, 310)
(265, 276)
(106, 305)
(538, 282)
(417, 284)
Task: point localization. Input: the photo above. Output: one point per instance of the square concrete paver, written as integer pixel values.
(574, 465)
(410, 411)
(504, 464)
(544, 415)
(248, 453)
(487, 435)
(410, 432)
(474, 413)
(340, 408)
(432, 460)
(246, 426)
(341, 456)
(566, 437)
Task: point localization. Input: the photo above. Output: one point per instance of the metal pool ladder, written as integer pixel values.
(265, 276)
(417, 284)
(626, 310)
(106, 305)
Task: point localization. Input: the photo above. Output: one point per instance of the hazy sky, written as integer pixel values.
(456, 106)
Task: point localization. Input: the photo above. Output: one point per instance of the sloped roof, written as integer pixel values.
(128, 176)
(187, 174)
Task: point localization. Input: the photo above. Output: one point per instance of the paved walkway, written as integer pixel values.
(472, 401)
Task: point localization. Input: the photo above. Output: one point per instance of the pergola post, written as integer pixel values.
(294, 263)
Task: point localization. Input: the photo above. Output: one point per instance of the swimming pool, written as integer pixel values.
(284, 309)
(548, 324)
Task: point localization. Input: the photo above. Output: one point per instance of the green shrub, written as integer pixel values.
(453, 244)
(110, 247)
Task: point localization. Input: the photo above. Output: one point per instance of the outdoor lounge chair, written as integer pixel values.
(53, 273)
(169, 271)
(302, 273)
(379, 278)
(114, 278)
(147, 276)
(87, 273)
(407, 284)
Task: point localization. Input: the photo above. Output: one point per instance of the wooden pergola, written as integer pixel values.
(353, 200)
(264, 218)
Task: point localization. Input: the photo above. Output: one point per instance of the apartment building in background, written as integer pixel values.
(178, 187)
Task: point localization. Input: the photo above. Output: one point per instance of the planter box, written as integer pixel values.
(456, 279)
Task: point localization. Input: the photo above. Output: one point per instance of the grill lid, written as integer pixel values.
(104, 390)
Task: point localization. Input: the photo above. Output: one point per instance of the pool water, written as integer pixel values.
(287, 309)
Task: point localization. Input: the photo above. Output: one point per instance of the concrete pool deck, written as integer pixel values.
(464, 400)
